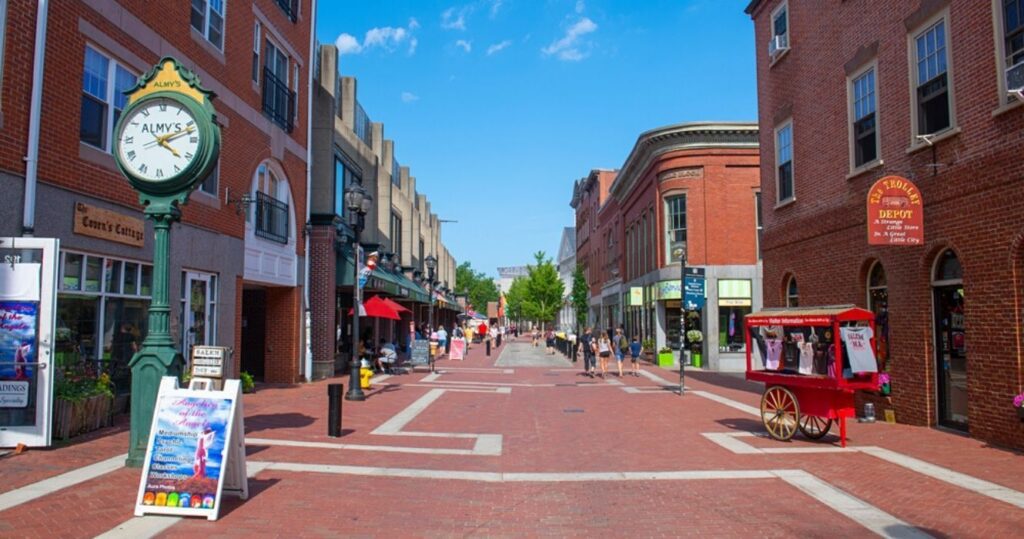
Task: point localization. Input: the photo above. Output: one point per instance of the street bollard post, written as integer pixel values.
(488, 347)
(334, 392)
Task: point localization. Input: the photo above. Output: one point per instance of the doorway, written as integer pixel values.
(950, 342)
(200, 297)
(254, 325)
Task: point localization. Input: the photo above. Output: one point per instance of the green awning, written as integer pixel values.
(381, 280)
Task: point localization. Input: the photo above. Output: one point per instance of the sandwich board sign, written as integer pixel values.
(196, 451)
(208, 362)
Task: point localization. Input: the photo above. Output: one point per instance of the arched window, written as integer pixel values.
(878, 303)
(269, 211)
(947, 268)
(792, 293)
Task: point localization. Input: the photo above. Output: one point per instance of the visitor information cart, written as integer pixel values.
(811, 360)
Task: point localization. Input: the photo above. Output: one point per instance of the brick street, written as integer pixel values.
(575, 456)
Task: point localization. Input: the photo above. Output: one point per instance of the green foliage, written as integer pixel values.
(75, 384)
(648, 344)
(580, 296)
(543, 290)
(477, 285)
(248, 384)
(665, 350)
(515, 299)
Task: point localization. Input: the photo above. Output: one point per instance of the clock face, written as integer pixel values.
(159, 140)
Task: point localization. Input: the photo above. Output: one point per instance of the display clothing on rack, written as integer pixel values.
(806, 358)
(774, 347)
(859, 352)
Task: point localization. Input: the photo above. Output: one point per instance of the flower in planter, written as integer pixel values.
(883, 379)
(694, 336)
(1018, 401)
(665, 350)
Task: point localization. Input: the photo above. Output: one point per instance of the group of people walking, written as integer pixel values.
(598, 350)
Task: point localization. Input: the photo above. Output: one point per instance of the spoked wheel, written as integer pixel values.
(814, 427)
(780, 412)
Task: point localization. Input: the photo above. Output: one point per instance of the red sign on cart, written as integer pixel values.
(895, 213)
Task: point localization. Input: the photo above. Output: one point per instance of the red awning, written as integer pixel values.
(375, 307)
(394, 305)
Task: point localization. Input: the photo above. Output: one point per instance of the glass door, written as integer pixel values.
(197, 312)
(951, 356)
(28, 268)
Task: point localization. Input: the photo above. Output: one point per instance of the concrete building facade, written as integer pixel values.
(854, 92)
(566, 263)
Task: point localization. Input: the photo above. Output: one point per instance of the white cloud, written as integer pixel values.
(388, 38)
(409, 97)
(495, 6)
(568, 47)
(498, 47)
(466, 45)
(348, 44)
(454, 19)
(581, 6)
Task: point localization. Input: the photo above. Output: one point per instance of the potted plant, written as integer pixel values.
(648, 349)
(883, 384)
(83, 401)
(1018, 403)
(665, 357)
(248, 384)
(695, 338)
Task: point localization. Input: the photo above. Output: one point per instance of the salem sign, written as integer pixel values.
(895, 213)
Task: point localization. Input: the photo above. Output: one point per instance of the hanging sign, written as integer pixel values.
(109, 225)
(895, 213)
(693, 291)
(196, 451)
(208, 361)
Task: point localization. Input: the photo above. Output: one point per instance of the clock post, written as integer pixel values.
(166, 141)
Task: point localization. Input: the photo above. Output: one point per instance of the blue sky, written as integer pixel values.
(497, 106)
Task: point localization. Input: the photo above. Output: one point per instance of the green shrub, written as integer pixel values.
(79, 382)
(248, 384)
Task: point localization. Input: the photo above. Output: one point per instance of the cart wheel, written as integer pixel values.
(780, 412)
(815, 427)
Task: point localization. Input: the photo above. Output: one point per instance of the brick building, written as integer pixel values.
(350, 149)
(852, 92)
(237, 256)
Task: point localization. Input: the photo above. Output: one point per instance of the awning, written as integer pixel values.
(781, 316)
(393, 284)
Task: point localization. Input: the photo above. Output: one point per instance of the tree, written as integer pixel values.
(476, 285)
(580, 297)
(544, 290)
(515, 298)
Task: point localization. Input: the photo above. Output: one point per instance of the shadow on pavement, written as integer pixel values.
(256, 487)
(257, 423)
(727, 381)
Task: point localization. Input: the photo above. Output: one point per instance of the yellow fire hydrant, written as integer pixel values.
(365, 373)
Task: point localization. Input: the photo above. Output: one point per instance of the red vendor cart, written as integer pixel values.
(811, 360)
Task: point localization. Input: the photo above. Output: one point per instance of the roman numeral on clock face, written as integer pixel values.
(177, 169)
(143, 168)
(129, 140)
(131, 155)
(159, 173)
(193, 140)
(188, 155)
(163, 107)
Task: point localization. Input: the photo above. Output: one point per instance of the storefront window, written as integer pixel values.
(734, 304)
(93, 308)
(878, 303)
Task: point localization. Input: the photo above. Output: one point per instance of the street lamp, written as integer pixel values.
(358, 202)
(431, 263)
(680, 252)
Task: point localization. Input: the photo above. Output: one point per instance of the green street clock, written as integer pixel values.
(167, 139)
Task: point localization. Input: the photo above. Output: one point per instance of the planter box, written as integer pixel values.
(667, 359)
(73, 418)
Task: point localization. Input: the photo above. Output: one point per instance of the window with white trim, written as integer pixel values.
(931, 80)
(780, 31)
(1009, 20)
(256, 41)
(784, 162)
(207, 18)
(864, 126)
(103, 84)
(675, 228)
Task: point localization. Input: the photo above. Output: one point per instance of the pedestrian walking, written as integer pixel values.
(536, 336)
(634, 355)
(442, 340)
(587, 348)
(621, 348)
(604, 351)
(549, 341)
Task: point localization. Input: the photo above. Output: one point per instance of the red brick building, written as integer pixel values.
(237, 257)
(857, 91)
(689, 188)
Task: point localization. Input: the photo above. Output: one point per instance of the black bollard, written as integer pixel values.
(499, 339)
(334, 392)
(488, 347)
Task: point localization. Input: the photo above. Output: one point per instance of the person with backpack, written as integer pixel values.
(634, 355)
(621, 348)
(587, 347)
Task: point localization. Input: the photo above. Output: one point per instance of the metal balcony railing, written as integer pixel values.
(290, 8)
(278, 100)
(271, 218)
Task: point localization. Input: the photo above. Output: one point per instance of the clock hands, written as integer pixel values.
(161, 140)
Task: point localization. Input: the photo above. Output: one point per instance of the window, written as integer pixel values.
(792, 293)
(675, 228)
(643, 244)
(864, 128)
(1009, 18)
(198, 310)
(271, 206)
(278, 98)
(931, 80)
(734, 304)
(290, 8)
(103, 84)
(256, 40)
(396, 234)
(784, 161)
(208, 19)
(339, 187)
(758, 224)
(878, 303)
(209, 185)
(780, 31)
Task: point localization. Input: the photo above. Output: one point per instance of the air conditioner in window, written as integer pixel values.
(1015, 81)
(778, 45)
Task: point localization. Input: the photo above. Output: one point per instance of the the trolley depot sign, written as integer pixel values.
(895, 213)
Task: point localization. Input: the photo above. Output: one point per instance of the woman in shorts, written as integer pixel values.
(604, 351)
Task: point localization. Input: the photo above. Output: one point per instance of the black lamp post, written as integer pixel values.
(431, 263)
(357, 201)
(680, 251)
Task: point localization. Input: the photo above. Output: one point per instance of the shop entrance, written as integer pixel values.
(950, 342)
(254, 325)
(200, 300)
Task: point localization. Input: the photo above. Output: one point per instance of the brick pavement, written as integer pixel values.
(553, 420)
